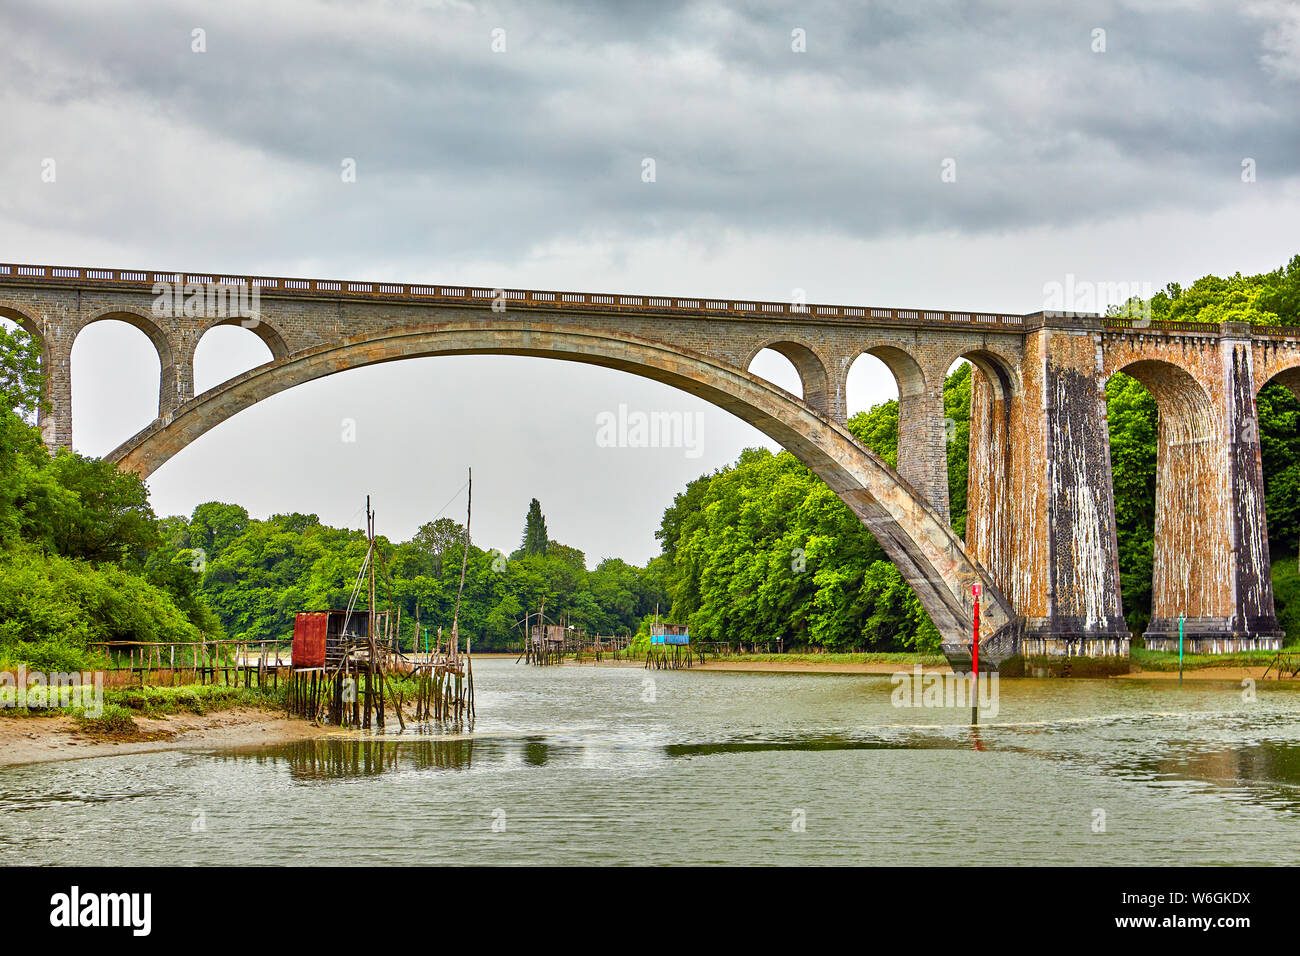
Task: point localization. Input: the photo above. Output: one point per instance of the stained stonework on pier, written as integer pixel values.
(1040, 528)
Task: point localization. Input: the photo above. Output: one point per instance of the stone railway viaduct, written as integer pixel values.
(1041, 523)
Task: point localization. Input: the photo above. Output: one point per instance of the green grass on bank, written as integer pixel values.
(122, 705)
(1168, 660)
(191, 699)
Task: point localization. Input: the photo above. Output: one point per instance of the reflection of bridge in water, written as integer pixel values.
(1040, 534)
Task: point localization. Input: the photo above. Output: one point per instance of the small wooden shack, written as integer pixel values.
(550, 635)
(321, 638)
(675, 635)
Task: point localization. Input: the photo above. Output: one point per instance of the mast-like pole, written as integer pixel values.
(464, 559)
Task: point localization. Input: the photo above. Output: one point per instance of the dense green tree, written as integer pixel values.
(20, 371)
(1279, 439)
(51, 607)
(956, 410)
(535, 539)
(111, 519)
(213, 526)
(1132, 417)
(435, 539)
(1281, 292)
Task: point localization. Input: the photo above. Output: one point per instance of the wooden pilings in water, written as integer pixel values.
(444, 691)
(545, 652)
(669, 657)
(354, 697)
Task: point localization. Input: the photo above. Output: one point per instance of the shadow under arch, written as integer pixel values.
(1191, 571)
(915, 537)
(997, 371)
(1275, 396)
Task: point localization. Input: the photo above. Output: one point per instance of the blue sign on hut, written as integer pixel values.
(670, 634)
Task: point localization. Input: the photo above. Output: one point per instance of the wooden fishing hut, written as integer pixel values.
(672, 635)
(670, 646)
(325, 638)
(346, 663)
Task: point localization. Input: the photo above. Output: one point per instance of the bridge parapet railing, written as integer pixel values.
(137, 279)
(1137, 325)
(1276, 331)
(1117, 324)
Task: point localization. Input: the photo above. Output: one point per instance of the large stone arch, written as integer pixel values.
(1288, 378)
(1277, 361)
(146, 323)
(175, 384)
(811, 367)
(916, 537)
(34, 325)
(1000, 372)
(264, 331)
(1193, 572)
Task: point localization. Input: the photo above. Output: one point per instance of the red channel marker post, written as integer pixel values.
(975, 660)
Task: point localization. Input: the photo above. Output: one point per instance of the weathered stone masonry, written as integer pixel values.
(1040, 529)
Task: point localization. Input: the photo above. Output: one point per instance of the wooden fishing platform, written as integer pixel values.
(347, 669)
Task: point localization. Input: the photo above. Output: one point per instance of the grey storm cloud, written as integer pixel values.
(465, 153)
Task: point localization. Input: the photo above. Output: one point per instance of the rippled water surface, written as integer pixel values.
(591, 764)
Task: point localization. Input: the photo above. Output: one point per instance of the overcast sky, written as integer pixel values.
(1113, 157)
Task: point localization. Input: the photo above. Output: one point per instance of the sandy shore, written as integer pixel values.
(40, 739)
(1236, 674)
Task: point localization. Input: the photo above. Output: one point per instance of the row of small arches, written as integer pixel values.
(115, 407)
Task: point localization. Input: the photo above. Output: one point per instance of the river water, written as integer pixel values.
(595, 765)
